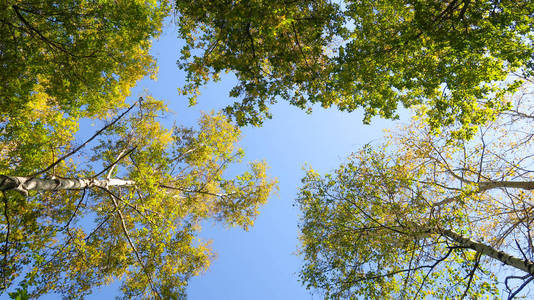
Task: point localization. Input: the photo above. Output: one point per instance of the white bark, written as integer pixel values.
(25, 184)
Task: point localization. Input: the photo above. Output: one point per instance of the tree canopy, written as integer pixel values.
(126, 204)
(128, 208)
(420, 216)
(455, 56)
(83, 55)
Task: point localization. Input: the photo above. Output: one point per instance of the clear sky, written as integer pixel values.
(261, 263)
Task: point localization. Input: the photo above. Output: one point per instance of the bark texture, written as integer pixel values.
(488, 185)
(26, 184)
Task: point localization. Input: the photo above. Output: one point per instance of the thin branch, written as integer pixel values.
(53, 44)
(438, 261)
(134, 207)
(75, 211)
(89, 140)
(409, 270)
(512, 295)
(39, 34)
(300, 49)
(106, 219)
(112, 165)
(472, 274)
(481, 162)
(520, 250)
(513, 277)
(64, 245)
(191, 191)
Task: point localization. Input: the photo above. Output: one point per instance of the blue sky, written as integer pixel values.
(261, 263)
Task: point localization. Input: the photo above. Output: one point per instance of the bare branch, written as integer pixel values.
(521, 287)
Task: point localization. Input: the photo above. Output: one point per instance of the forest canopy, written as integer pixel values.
(444, 200)
(455, 56)
(83, 55)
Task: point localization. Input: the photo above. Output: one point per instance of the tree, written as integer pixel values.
(129, 208)
(424, 215)
(452, 55)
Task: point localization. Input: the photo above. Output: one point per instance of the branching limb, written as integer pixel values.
(39, 34)
(437, 262)
(520, 288)
(472, 274)
(128, 204)
(132, 245)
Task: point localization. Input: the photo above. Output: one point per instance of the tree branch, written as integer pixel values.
(112, 165)
(472, 274)
(512, 295)
(75, 211)
(507, 259)
(88, 140)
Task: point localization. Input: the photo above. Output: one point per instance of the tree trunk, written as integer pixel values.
(25, 184)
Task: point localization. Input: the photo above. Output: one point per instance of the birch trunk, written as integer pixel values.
(25, 184)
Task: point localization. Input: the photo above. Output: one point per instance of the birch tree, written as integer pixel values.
(125, 204)
(61, 61)
(423, 215)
